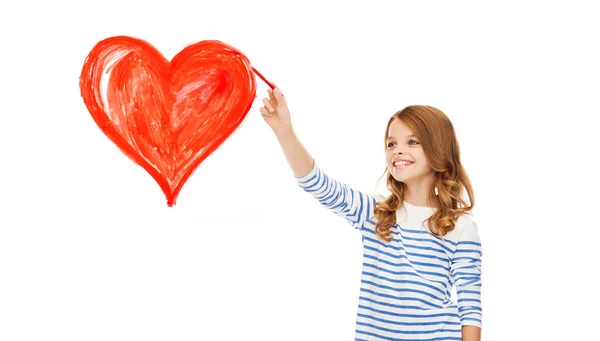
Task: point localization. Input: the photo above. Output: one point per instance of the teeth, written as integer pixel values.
(402, 163)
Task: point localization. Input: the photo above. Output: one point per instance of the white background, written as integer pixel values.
(89, 249)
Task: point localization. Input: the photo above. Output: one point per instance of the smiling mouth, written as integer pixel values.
(401, 164)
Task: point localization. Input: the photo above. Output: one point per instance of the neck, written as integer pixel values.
(420, 194)
(424, 203)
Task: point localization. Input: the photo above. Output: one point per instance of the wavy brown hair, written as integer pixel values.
(438, 140)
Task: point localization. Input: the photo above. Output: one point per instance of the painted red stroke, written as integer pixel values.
(167, 116)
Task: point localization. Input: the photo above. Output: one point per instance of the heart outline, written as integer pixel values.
(139, 139)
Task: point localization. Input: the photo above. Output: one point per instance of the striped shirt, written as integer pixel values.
(405, 288)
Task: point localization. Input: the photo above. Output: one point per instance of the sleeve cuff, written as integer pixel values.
(471, 322)
(308, 176)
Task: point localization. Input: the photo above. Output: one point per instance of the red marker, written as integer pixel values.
(263, 78)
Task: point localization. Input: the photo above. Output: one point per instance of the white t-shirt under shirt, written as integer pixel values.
(406, 285)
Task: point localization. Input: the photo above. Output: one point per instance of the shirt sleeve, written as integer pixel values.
(355, 206)
(466, 274)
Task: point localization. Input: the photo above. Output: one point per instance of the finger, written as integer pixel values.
(271, 96)
(279, 96)
(268, 105)
(264, 112)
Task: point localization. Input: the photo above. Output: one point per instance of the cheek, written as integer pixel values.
(424, 167)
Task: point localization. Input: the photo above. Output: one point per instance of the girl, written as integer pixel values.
(418, 242)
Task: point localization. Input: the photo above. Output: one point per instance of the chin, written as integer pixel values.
(399, 179)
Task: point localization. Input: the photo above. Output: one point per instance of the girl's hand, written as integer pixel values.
(275, 111)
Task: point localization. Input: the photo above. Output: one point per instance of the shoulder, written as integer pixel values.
(466, 221)
(465, 226)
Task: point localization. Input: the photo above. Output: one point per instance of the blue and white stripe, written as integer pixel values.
(406, 285)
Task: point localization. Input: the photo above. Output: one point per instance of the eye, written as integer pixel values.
(412, 141)
(390, 143)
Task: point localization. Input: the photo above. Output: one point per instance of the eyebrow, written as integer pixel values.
(391, 137)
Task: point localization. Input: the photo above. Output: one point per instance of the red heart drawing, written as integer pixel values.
(167, 116)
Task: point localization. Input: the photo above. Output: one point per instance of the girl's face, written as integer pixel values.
(402, 141)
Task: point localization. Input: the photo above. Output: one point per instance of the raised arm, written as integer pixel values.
(277, 115)
(353, 205)
(339, 198)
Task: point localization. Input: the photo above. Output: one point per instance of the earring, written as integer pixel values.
(436, 190)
